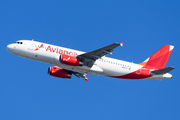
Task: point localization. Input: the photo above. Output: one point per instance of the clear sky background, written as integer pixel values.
(27, 92)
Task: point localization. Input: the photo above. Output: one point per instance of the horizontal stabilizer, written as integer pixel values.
(162, 71)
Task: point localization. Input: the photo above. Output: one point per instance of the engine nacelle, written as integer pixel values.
(58, 72)
(70, 60)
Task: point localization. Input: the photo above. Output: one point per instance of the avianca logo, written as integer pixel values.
(39, 47)
(56, 50)
(66, 59)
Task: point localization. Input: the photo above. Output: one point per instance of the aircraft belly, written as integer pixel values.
(82, 69)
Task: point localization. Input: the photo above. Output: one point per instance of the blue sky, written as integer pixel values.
(26, 90)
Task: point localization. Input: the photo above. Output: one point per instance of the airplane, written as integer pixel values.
(68, 62)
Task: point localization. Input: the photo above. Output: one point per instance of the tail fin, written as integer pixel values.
(159, 59)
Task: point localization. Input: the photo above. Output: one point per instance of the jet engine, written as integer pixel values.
(70, 60)
(58, 72)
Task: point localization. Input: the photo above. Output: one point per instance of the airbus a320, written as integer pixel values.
(68, 62)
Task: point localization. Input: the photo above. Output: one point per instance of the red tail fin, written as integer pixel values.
(159, 59)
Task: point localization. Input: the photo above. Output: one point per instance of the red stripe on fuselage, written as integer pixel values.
(134, 75)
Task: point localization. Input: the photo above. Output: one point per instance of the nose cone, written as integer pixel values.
(10, 48)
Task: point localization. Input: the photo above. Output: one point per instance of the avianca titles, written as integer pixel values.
(68, 62)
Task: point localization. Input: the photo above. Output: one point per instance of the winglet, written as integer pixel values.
(121, 43)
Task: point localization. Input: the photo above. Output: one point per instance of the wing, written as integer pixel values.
(90, 57)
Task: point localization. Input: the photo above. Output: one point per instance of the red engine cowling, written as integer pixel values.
(58, 72)
(70, 60)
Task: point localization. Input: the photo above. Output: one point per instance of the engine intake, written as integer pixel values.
(58, 72)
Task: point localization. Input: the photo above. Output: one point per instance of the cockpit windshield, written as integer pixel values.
(19, 42)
